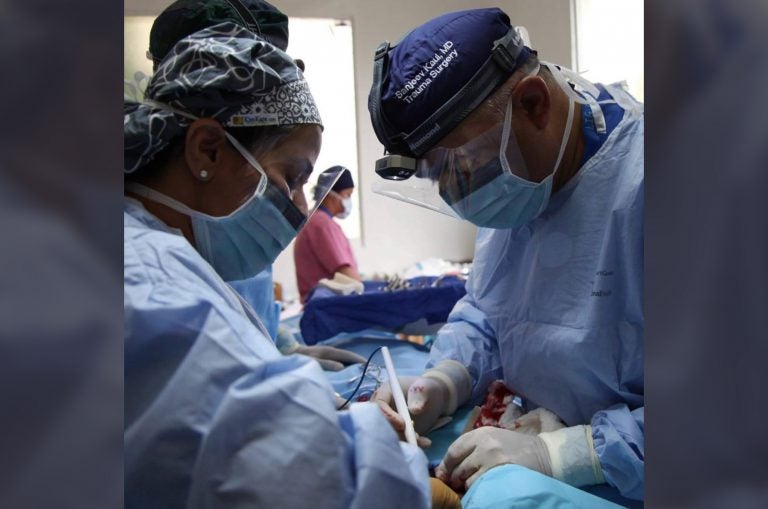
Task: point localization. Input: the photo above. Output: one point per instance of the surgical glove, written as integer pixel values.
(383, 397)
(572, 456)
(329, 357)
(443, 497)
(476, 452)
(427, 415)
(342, 284)
(432, 396)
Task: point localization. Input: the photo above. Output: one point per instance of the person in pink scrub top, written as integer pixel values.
(321, 248)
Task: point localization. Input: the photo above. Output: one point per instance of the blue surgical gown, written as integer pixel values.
(215, 416)
(259, 292)
(554, 307)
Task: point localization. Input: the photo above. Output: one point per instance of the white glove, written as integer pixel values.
(342, 284)
(431, 397)
(566, 454)
(481, 449)
(534, 422)
(383, 397)
(572, 456)
(422, 423)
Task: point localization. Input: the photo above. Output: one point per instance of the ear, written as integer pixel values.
(533, 95)
(205, 141)
(329, 201)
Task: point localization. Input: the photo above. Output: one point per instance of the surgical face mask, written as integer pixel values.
(495, 194)
(246, 241)
(346, 203)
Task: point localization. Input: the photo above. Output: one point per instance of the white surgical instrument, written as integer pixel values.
(397, 394)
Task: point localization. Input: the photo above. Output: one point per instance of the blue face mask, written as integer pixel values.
(245, 242)
(503, 201)
(493, 196)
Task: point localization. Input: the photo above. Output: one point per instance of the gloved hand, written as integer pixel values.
(430, 397)
(473, 453)
(383, 397)
(424, 416)
(443, 497)
(329, 357)
(567, 454)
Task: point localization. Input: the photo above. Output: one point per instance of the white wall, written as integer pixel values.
(396, 235)
(598, 21)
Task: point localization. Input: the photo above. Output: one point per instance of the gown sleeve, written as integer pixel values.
(215, 416)
(617, 434)
(468, 338)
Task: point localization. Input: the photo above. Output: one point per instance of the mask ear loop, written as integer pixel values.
(573, 99)
(563, 143)
(505, 138)
(566, 135)
(158, 197)
(262, 185)
(505, 134)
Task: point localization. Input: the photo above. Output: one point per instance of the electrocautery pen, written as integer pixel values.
(397, 394)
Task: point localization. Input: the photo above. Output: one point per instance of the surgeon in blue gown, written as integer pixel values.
(550, 168)
(215, 416)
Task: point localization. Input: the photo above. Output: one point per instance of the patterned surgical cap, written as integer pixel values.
(223, 72)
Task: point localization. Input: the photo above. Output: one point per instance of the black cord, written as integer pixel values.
(362, 377)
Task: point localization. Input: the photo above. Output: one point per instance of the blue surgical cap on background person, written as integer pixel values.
(344, 182)
(345, 179)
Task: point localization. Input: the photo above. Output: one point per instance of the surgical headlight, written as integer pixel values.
(396, 167)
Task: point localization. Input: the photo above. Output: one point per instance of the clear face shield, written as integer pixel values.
(446, 178)
(291, 204)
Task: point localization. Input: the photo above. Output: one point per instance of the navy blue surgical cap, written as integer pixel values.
(435, 61)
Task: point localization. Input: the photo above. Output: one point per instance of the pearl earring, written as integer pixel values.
(203, 174)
